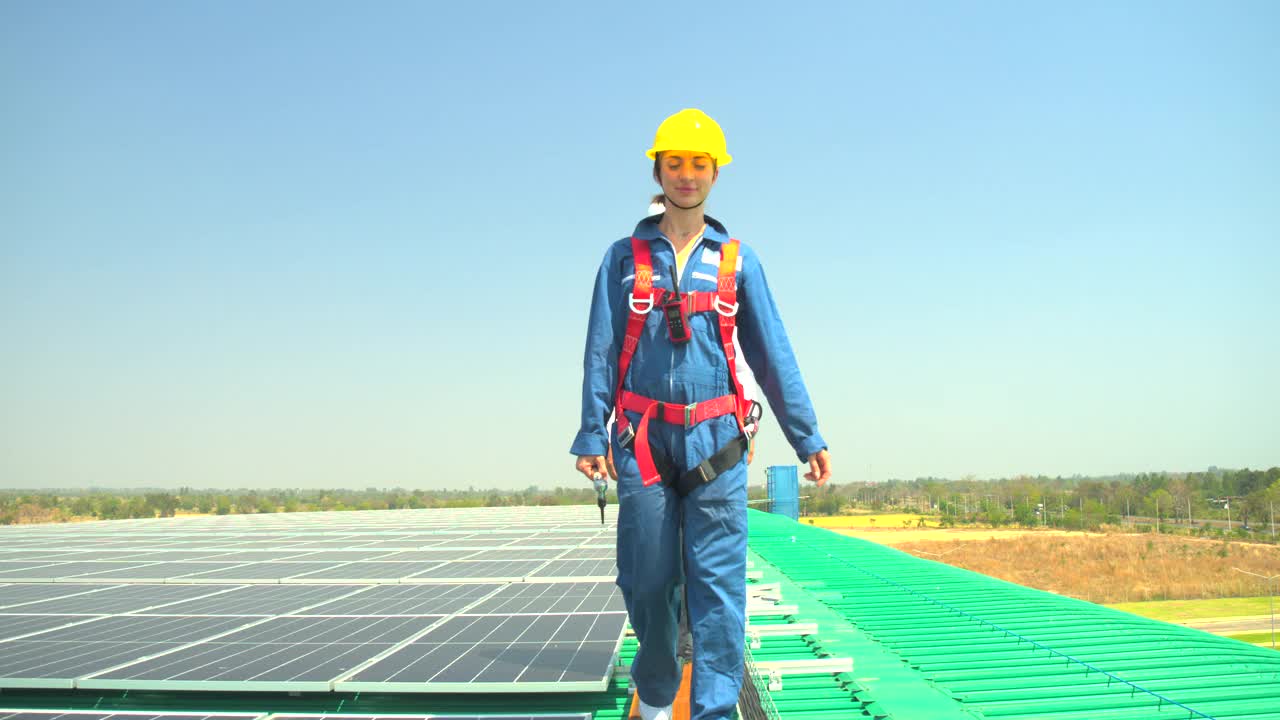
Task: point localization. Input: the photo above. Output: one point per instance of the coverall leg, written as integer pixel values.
(714, 522)
(649, 575)
(715, 531)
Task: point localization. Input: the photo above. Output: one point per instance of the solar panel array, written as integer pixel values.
(21, 714)
(466, 600)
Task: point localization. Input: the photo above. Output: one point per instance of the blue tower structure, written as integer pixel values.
(784, 491)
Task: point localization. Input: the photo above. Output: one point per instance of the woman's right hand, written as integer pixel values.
(595, 466)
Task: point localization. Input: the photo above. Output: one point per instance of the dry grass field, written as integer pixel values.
(884, 521)
(903, 536)
(1112, 568)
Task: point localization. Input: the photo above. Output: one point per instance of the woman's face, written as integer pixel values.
(686, 177)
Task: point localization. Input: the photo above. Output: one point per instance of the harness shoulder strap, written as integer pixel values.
(726, 306)
(641, 302)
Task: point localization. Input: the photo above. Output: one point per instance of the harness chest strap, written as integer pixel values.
(643, 299)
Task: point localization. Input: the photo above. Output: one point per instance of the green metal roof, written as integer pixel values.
(1006, 651)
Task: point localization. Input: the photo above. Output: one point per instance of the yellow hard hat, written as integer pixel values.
(692, 130)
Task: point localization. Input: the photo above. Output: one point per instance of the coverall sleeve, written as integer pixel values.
(768, 352)
(600, 359)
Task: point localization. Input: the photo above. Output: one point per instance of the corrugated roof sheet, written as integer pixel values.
(1007, 651)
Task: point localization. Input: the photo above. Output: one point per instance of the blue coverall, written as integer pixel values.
(714, 516)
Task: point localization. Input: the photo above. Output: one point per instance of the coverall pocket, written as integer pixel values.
(692, 383)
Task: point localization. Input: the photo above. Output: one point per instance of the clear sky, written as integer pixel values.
(316, 244)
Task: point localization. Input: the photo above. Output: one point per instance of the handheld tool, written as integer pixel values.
(601, 485)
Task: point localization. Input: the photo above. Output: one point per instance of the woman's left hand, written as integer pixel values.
(819, 468)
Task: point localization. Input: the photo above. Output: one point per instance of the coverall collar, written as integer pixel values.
(647, 229)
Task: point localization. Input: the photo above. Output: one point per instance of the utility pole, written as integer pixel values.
(1157, 516)
(1270, 600)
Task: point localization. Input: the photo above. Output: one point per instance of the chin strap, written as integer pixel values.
(673, 202)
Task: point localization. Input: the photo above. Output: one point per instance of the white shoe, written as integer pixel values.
(649, 712)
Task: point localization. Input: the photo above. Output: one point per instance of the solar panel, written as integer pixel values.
(590, 553)
(514, 553)
(432, 555)
(13, 626)
(362, 571)
(258, 572)
(54, 659)
(543, 541)
(8, 568)
(501, 716)
(333, 556)
(114, 599)
(162, 555)
(552, 598)
(406, 600)
(282, 654)
(126, 572)
(308, 602)
(598, 570)
(27, 714)
(255, 599)
(41, 556)
(501, 653)
(49, 572)
(480, 571)
(20, 594)
(348, 544)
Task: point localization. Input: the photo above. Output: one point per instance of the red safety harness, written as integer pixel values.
(723, 302)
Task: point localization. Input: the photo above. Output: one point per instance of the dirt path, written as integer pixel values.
(1233, 625)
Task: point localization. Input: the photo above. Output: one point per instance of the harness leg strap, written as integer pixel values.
(644, 455)
(722, 461)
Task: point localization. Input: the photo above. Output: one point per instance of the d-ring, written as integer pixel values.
(720, 306)
(631, 300)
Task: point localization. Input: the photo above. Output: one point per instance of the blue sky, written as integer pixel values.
(308, 244)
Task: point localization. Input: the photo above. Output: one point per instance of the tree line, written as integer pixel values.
(1244, 497)
(64, 505)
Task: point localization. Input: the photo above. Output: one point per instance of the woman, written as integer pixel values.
(662, 358)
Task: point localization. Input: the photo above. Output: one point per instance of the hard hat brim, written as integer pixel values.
(721, 160)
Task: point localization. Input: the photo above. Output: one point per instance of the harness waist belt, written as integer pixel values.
(686, 415)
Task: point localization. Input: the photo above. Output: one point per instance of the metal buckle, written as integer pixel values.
(688, 414)
(702, 471)
(626, 436)
(751, 421)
